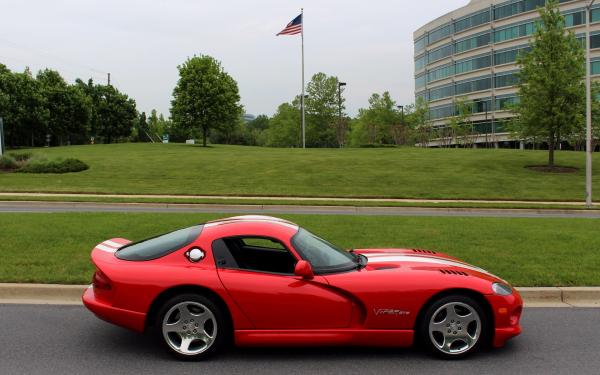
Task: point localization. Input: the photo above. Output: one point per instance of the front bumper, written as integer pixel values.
(507, 315)
(125, 318)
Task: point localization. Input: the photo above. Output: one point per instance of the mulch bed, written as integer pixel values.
(554, 169)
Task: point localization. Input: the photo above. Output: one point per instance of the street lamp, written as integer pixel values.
(588, 109)
(401, 108)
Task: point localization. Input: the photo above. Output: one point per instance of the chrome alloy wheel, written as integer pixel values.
(454, 328)
(189, 328)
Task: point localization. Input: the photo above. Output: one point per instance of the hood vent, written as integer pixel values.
(421, 251)
(452, 272)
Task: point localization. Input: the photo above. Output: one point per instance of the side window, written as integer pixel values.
(260, 254)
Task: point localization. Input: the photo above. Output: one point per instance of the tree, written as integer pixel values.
(420, 122)
(551, 87)
(205, 96)
(69, 109)
(113, 113)
(284, 127)
(322, 110)
(23, 109)
(381, 123)
(142, 128)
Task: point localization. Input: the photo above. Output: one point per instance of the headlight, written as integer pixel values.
(501, 289)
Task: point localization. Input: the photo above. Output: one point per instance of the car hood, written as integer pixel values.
(419, 259)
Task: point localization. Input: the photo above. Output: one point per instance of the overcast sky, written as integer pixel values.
(368, 44)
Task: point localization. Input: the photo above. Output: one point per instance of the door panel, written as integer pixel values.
(274, 301)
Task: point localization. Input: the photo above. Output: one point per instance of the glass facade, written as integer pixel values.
(449, 61)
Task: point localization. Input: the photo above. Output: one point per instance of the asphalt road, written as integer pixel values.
(274, 209)
(41, 339)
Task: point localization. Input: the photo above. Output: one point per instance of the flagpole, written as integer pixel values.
(302, 99)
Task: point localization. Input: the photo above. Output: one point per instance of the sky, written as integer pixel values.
(367, 44)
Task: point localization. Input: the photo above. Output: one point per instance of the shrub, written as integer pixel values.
(54, 166)
(21, 156)
(7, 162)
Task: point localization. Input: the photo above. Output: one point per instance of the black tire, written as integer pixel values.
(431, 340)
(219, 328)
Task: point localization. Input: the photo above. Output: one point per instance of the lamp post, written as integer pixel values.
(588, 109)
(401, 108)
(339, 127)
(340, 84)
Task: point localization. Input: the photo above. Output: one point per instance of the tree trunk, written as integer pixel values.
(551, 145)
(204, 132)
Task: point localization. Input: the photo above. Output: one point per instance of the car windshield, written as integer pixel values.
(322, 255)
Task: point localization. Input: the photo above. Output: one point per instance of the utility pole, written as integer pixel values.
(108, 78)
(1, 137)
(588, 110)
(340, 84)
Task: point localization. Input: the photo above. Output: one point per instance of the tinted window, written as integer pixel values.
(259, 254)
(159, 246)
(322, 255)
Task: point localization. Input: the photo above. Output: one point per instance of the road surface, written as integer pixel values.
(42, 339)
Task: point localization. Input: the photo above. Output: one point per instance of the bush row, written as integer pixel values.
(25, 163)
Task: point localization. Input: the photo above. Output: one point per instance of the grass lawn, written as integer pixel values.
(55, 247)
(235, 170)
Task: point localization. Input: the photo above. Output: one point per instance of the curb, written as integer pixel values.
(57, 294)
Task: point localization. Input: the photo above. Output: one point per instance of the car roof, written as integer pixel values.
(251, 219)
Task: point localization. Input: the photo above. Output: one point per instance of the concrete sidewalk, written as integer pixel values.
(43, 206)
(287, 198)
(56, 294)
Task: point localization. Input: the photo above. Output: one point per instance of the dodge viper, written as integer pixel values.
(264, 281)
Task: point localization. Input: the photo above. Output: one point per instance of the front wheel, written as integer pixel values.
(192, 327)
(454, 327)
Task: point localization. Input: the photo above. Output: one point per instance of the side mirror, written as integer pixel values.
(304, 270)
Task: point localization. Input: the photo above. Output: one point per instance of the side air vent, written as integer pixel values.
(423, 251)
(452, 272)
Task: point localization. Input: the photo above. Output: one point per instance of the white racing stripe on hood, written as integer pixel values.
(385, 258)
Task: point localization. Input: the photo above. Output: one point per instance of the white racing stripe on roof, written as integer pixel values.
(106, 248)
(112, 244)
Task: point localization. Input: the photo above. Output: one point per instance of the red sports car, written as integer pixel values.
(257, 280)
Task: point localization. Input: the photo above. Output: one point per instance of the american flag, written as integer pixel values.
(293, 28)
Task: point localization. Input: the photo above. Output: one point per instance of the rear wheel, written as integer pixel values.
(454, 327)
(192, 327)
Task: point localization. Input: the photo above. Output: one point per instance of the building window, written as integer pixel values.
(420, 44)
(505, 102)
(509, 56)
(472, 21)
(441, 92)
(477, 84)
(513, 32)
(595, 41)
(595, 67)
(420, 62)
(420, 81)
(440, 73)
(574, 19)
(440, 33)
(471, 43)
(506, 79)
(464, 66)
(440, 53)
(441, 112)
